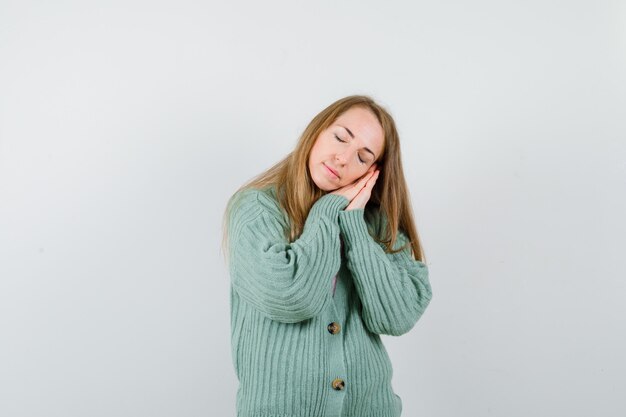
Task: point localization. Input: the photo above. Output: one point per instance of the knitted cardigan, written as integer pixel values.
(301, 348)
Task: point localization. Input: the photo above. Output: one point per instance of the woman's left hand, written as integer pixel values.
(361, 199)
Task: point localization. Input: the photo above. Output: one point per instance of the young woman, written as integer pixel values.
(324, 257)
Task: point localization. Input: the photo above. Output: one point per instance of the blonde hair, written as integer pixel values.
(296, 191)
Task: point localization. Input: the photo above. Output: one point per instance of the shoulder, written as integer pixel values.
(251, 203)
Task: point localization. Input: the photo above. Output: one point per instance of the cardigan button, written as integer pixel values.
(334, 328)
(338, 384)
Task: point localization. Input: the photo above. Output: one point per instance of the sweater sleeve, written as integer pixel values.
(394, 288)
(287, 282)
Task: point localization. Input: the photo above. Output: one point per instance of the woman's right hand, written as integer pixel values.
(351, 190)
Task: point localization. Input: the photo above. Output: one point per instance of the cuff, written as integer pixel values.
(330, 205)
(353, 226)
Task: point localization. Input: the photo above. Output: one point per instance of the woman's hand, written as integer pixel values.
(359, 192)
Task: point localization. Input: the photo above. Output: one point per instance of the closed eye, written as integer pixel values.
(341, 140)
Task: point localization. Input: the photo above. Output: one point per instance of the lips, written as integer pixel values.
(331, 170)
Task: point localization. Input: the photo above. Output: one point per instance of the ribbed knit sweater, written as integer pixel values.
(300, 347)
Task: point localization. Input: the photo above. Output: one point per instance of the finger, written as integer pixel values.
(360, 183)
(370, 176)
(371, 180)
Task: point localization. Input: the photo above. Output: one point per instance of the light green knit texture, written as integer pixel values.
(282, 303)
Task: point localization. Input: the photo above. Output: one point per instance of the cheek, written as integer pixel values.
(316, 151)
(359, 173)
(350, 178)
(313, 155)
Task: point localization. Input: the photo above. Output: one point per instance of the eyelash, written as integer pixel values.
(360, 160)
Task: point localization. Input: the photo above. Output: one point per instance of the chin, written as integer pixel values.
(326, 188)
(324, 185)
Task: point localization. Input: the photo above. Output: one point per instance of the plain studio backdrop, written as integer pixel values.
(126, 125)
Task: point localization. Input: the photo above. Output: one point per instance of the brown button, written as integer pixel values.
(338, 384)
(334, 327)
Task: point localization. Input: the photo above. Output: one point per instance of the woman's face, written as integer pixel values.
(344, 152)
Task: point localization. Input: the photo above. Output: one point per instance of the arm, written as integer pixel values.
(394, 288)
(287, 282)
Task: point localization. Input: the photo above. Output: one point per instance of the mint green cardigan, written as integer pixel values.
(299, 350)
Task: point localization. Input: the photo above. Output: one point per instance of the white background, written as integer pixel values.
(126, 125)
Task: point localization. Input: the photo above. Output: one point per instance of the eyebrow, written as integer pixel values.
(365, 147)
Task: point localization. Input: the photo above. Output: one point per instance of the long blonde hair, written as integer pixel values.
(296, 191)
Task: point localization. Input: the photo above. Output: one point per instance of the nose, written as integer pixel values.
(341, 157)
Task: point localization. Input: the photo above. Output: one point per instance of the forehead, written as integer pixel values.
(365, 127)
